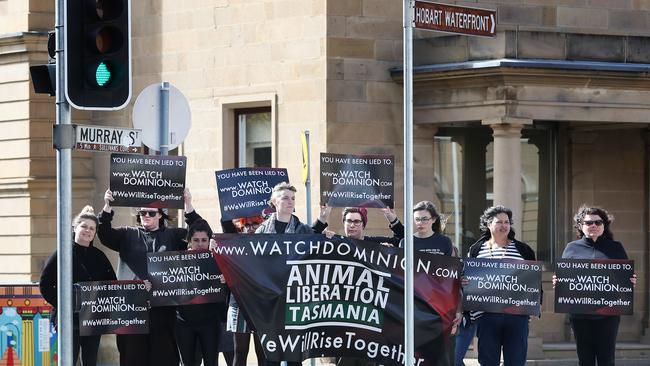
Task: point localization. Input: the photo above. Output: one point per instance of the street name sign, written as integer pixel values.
(108, 139)
(455, 19)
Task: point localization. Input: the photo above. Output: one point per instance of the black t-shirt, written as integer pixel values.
(435, 244)
(280, 226)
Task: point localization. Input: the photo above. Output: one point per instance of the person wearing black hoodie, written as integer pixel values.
(200, 323)
(595, 334)
(88, 264)
(158, 348)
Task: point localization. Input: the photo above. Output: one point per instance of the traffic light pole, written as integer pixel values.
(64, 209)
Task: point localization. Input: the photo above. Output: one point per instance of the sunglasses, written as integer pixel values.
(148, 213)
(589, 222)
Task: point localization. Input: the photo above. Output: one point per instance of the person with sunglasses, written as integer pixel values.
(595, 334)
(133, 243)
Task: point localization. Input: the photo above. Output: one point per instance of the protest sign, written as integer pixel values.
(594, 286)
(147, 180)
(357, 180)
(113, 307)
(184, 277)
(245, 192)
(507, 286)
(309, 296)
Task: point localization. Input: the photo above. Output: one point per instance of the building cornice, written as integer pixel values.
(14, 45)
(593, 74)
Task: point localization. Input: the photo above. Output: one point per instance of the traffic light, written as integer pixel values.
(98, 53)
(44, 76)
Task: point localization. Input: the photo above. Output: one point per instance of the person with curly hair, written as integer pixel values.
(497, 332)
(595, 334)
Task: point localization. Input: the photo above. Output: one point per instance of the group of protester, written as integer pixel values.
(175, 331)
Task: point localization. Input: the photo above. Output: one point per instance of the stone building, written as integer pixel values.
(549, 114)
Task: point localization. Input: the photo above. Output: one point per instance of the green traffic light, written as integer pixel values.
(103, 74)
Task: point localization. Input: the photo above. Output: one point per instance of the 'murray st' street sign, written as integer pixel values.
(109, 139)
(455, 19)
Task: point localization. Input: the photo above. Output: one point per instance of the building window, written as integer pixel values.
(254, 137)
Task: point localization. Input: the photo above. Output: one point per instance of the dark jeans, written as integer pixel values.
(158, 348)
(464, 338)
(206, 335)
(496, 331)
(596, 340)
(89, 346)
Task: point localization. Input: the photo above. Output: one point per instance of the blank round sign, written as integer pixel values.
(146, 116)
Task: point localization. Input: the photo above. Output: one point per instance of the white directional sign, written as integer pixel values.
(109, 139)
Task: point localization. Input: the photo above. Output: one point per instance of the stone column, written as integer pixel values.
(507, 185)
(423, 163)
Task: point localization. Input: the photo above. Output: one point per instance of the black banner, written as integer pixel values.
(506, 286)
(357, 180)
(147, 180)
(245, 192)
(113, 307)
(309, 296)
(184, 277)
(594, 286)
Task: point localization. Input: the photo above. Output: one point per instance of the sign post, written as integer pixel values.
(64, 198)
(435, 17)
(306, 173)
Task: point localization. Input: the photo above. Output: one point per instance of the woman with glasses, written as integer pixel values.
(497, 332)
(133, 243)
(355, 220)
(428, 238)
(595, 334)
(428, 235)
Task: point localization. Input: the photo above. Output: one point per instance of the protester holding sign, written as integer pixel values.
(595, 334)
(199, 324)
(133, 243)
(355, 220)
(428, 238)
(88, 264)
(500, 331)
(236, 322)
(283, 221)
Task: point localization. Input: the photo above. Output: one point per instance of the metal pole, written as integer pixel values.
(64, 209)
(454, 170)
(308, 183)
(408, 183)
(164, 118)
